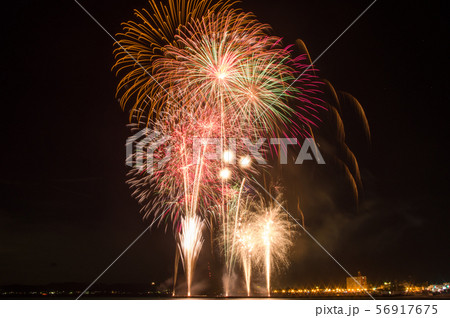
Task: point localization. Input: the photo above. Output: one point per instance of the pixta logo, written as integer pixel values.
(148, 148)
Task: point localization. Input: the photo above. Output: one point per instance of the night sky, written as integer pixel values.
(66, 212)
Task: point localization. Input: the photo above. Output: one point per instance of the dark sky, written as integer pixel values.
(66, 212)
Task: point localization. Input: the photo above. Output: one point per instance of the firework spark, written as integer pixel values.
(244, 248)
(190, 245)
(273, 236)
(260, 237)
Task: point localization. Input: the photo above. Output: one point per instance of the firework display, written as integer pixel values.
(259, 237)
(195, 71)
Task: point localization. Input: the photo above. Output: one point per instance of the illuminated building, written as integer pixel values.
(357, 283)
